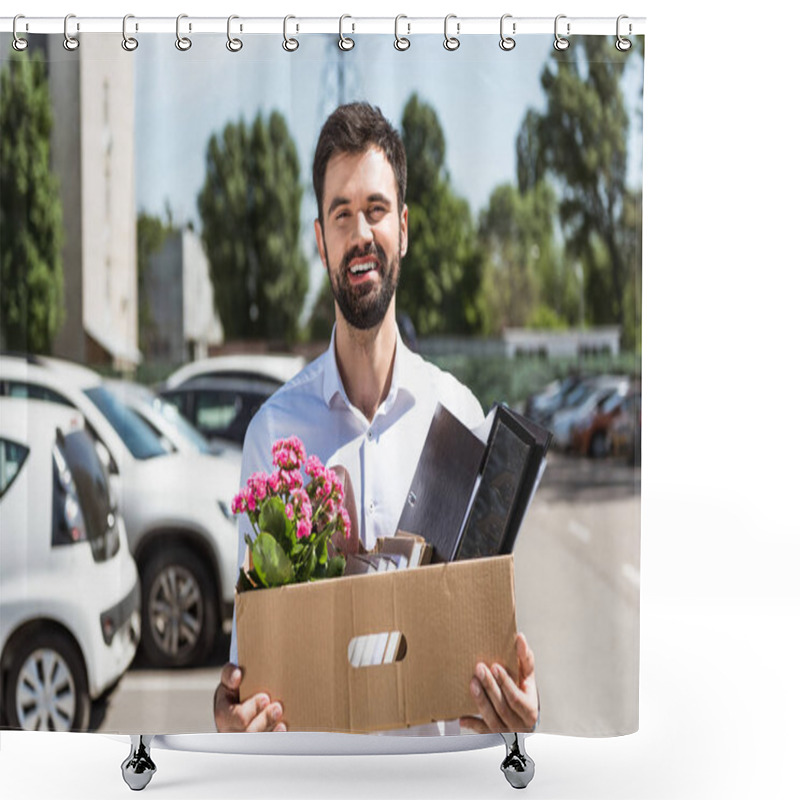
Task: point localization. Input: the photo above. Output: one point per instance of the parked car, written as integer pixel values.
(221, 408)
(164, 419)
(581, 404)
(626, 430)
(277, 369)
(176, 507)
(541, 405)
(591, 435)
(70, 603)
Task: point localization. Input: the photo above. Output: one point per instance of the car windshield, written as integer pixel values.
(138, 438)
(185, 428)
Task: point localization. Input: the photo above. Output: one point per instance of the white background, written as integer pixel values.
(720, 601)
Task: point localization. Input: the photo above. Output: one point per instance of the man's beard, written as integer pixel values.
(360, 305)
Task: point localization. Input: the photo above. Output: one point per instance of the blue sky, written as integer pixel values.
(479, 92)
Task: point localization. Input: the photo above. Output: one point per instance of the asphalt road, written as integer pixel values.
(577, 590)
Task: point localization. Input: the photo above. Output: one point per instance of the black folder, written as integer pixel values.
(511, 465)
(468, 499)
(443, 483)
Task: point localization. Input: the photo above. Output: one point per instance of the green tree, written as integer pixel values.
(581, 140)
(31, 224)
(250, 209)
(440, 286)
(523, 284)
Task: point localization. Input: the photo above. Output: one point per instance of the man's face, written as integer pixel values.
(363, 237)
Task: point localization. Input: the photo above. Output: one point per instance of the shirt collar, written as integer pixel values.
(332, 380)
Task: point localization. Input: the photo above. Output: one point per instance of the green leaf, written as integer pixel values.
(273, 518)
(270, 562)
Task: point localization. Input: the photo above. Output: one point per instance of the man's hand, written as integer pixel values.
(504, 706)
(254, 714)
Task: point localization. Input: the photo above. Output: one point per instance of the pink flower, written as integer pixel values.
(289, 453)
(303, 529)
(314, 467)
(257, 483)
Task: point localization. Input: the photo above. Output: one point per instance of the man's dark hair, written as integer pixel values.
(353, 128)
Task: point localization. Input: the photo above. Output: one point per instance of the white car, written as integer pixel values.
(278, 368)
(176, 507)
(168, 423)
(70, 604)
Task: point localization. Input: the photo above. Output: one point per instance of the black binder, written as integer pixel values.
(468, 499)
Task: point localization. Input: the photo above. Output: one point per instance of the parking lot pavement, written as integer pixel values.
(577, 591)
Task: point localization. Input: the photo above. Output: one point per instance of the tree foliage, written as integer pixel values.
(582, 141)
(440, 283)
(31, 224)
(250, 209)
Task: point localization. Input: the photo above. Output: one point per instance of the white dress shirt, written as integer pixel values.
(380, 456)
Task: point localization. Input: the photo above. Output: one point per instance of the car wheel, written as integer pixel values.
(179, 608)
(46, 687)
(598, 447)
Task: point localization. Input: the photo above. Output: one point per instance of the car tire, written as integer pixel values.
(598, 447)
(46, 687)
(180, 614)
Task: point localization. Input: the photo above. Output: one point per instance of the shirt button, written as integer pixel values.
(372, 507)
(369, 434)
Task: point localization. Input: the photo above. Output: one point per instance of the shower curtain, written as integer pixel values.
(158, 209)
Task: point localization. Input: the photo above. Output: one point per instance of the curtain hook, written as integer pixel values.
(345, 43)
(451, 42)
(183, 43)
(128, 42)
(560, 42)
(400, 42)
(507, 42)
(233, 45)
(289, 45)
(623, 44)
(19, 43)
(70, 42)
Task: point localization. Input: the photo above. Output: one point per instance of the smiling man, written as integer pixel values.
(367, 402)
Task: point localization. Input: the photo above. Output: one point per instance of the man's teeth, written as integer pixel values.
(360, 269)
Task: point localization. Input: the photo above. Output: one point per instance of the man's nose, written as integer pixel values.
(363, 230)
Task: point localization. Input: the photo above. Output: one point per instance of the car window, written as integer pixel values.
(12, 457)
(137, 437)
(171, 414)
(215, 411)
(33, 391)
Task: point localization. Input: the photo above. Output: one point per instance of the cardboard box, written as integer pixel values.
(293, 644)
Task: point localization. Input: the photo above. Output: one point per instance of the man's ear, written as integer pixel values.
(320, 236)
(404, 231)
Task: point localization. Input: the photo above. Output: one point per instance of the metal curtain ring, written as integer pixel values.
(451, 42)
(623, 44)
(345, 43)
(289, 45)
(70, 42)
(183, 43)
(233, 45)
(128, 42)
(507, 42)
(560, 42)
(19, 43)
(400, 42)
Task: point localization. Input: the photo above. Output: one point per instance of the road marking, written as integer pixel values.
(631, 573)
(184, 683)
(579, 531)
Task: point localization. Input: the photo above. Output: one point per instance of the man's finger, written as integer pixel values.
(246, 712)
(524, 657)
(485, 706)
(517, 700)
(231, 677)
